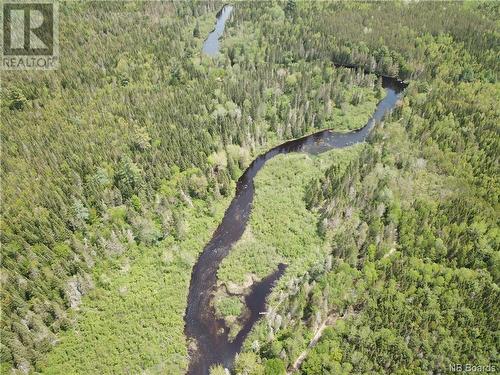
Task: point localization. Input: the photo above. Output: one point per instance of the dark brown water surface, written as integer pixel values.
(202, 327)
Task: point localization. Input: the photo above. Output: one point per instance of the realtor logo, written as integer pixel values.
(30, 35)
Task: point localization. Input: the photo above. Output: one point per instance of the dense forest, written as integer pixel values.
(117, 167)
(410, 280)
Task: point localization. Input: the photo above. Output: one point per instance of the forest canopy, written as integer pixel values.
(117, 167)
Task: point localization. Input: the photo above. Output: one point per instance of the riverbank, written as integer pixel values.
(212, 341)
(134, 317)
(280, 230)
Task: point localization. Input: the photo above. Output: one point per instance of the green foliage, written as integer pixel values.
(218, 370)
(196, 30)
(105, 161)
(128, 178)
(274, 366)
(281, 229)
(229, 306)
(410, 285)
(139, 302)
(427, 262)
(17, 100)
(248, 363)
(325, 358)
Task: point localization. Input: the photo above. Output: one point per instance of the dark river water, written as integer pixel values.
(202, 327)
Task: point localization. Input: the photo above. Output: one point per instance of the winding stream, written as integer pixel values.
(211, 44)
(202, 327)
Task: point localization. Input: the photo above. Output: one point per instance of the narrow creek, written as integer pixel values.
(207, 334)
(211, 44)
